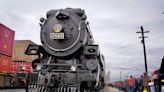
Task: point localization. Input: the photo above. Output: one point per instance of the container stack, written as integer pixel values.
(6, 47)
(20, 59)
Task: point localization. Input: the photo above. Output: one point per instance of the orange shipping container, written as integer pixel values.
(19, 49)
(5, 63)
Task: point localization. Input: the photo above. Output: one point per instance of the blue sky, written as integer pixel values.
(114, 24)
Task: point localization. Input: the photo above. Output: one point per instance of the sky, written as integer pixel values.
(113, 23)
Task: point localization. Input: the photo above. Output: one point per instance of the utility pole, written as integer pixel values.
(145, 58)
(144, 47)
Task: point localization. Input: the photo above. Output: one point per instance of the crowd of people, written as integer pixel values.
(139, 85)
(135, 84)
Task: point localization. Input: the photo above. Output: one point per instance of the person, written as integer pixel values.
(136, 85)
(151, 86)
(140, 84)
(131, 84)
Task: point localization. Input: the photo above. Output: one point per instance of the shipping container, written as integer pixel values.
(5, 63)
(19, 49)
(6, 40)
(21, 67)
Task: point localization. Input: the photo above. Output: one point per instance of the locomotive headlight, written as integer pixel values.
(57, 28)
(23, 67)
(73, 68)
(91, 64)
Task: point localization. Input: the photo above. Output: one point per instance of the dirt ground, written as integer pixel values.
(107, 89)
(110, 89)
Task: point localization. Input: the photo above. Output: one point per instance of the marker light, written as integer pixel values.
(57, 28)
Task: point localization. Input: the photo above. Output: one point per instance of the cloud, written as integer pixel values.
(113, 23)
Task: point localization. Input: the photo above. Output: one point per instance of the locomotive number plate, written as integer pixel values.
(56, 35)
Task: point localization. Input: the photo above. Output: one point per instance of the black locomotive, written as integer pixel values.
(70, 61)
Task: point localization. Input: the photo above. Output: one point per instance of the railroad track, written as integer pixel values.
(12, 90)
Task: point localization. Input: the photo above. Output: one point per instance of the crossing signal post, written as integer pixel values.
(142, 32)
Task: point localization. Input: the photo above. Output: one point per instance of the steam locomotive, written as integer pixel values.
(69, 60)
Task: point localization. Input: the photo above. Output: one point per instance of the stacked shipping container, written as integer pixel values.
(6, 42)
(6, 47)
(9, 53)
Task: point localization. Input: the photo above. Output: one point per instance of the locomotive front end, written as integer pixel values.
(69, 60)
